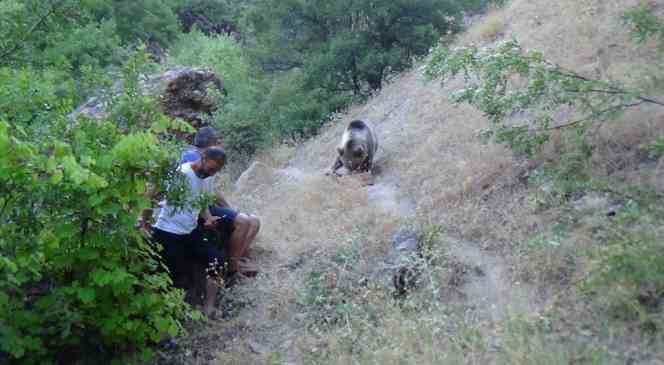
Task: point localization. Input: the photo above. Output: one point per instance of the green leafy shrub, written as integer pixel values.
(30, 98)
(644, 24)
(76, 278)
(347, 46)
(628, 275)
(146, 20)
(507, 82)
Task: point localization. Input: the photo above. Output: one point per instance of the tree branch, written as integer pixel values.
(39, 23)
(649, 100)
(644, 99)
(592, 116)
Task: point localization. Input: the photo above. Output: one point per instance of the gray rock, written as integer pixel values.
(399, 269)
(183, 92)
(258, 173)
(405, 239)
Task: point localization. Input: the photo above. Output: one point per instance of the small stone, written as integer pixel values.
(257, 348)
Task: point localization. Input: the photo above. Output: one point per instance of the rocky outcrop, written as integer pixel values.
(187, 93)
(402, 260)
(255, 175)
(399, 269)
(183, 92)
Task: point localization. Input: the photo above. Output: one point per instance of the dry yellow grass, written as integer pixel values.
(490, 28)
(431, 155)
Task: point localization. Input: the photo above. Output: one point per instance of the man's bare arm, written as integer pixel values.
(221, 201)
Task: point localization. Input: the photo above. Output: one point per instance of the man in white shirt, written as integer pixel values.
(176, 228)
(238, 230)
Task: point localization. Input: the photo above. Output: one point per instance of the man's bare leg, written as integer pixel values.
(254, 227)
(246, 229)
(238, 237)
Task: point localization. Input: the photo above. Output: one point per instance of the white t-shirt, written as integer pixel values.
(185, 219)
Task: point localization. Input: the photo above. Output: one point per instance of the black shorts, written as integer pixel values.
(181, 249)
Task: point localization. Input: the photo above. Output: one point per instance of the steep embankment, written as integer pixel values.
(320, 297)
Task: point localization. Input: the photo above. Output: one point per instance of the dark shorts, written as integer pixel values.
(227, 221)
(181, 250)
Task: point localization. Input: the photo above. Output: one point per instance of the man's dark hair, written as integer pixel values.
(205, 137)
(215, 153)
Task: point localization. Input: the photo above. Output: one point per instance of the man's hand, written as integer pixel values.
(211, 222)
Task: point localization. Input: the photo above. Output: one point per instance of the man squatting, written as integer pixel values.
(178, 230)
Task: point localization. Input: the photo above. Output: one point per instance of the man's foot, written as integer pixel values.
(247, 268)
(232, 278)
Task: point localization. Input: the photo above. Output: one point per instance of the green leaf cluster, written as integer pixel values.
(349, 46)
(644, 24)
(520, 92)
(76, 277)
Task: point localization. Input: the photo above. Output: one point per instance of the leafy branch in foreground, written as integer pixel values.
(520, 92)
(77, 280)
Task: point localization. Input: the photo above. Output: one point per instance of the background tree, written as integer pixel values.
(349, 46)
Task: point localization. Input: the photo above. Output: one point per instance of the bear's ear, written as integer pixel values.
(340, 151)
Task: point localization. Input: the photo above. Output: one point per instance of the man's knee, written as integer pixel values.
(242, 220)
(255, 223)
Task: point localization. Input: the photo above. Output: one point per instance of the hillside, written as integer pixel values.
(505, 267)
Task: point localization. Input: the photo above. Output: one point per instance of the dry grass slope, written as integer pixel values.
(316, 301)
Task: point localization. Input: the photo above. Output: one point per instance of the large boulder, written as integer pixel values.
(254, 176)
(183, 92)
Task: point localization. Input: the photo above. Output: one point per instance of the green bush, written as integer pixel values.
(30, 98)
(349, 46)
(146, 20)
(76, 278)
(644, 24)
(628, 275)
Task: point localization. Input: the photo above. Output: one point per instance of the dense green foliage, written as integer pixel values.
(349, 46)
(72, 33)
(77, 279)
